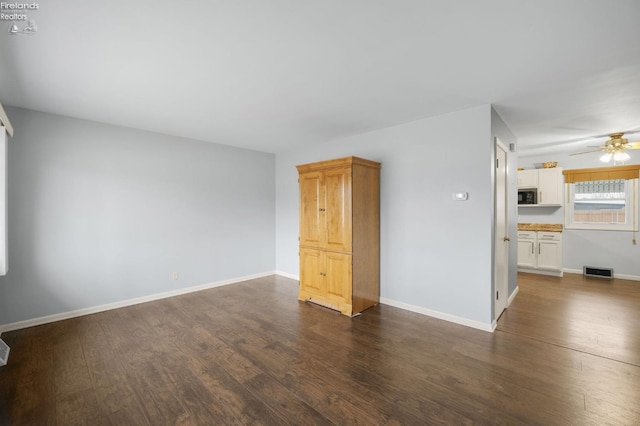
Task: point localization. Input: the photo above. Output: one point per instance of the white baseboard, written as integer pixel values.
(513, 296)
(619, 276)
(288, 275)
(109, 306)
(541, 272)
(490, 327)
(420, 310)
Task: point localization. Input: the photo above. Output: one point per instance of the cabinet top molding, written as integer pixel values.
(337, 163)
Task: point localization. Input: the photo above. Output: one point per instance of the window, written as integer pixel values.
(603, 204)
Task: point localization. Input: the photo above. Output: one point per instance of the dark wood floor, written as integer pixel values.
(250, 353)
(592, 315)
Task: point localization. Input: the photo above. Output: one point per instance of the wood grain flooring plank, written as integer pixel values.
(30, 376)
(80, 408)
(157, 398)
(284, 402)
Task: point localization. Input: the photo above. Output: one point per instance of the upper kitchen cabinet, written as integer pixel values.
(548, 184)
(528, 178)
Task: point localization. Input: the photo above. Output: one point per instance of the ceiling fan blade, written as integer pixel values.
(633, 145)
(586, 152)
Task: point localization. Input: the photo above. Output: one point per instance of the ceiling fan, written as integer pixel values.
(615, 148)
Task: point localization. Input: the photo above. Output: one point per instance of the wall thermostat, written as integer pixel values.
(460, 196)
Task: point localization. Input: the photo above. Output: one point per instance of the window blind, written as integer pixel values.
(614, 186)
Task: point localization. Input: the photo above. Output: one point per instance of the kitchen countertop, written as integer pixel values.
(546, 227)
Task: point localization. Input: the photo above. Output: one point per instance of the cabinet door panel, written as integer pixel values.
(526, 253)
(550, 255)
(338, 209)
(338, 278)
(311, 193)
(550, 186)
(527, 178)
(311, 270)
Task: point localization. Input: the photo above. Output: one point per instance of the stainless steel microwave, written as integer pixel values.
(527, 196)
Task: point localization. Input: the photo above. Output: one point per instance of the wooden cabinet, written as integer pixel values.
(540, 252)
(325, 206)
(339, 233)
(326, 276)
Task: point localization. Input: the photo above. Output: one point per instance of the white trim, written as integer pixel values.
(541, 272)
(4, 120)
(109, 306)
(4, 360)
(420, 310)
(3, 201)
(423, 311)
(513, 296)
(501, 144)
(631, 201)
(490, 327)
(619, 276)
(288, 275)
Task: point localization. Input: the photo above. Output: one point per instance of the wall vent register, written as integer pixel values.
(591, 271)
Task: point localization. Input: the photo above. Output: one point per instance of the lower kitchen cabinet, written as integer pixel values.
(540, 252)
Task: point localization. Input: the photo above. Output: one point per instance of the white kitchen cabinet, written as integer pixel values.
(547, 182)
(550, 186)
(528, 178)
(540, 252)
(527, 249)
(550, 251)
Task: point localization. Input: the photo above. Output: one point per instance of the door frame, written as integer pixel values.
(501, 232)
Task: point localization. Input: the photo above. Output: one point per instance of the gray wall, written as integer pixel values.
(612, 249)
(100, 214)
(435, 252)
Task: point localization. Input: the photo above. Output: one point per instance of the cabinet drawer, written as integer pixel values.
(526, 235)
(549, 236)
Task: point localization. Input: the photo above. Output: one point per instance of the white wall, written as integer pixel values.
(435, 252)
(612, 249)
(99, 214)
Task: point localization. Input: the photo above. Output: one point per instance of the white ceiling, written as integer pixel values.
(273, 75)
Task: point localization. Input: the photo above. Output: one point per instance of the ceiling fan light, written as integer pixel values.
(606, 158)
(621, 156)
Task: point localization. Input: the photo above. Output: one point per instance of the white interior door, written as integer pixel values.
(501, 284)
